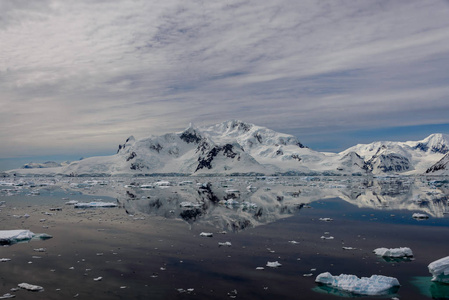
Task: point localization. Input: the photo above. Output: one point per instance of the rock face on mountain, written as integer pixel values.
(441, 167)
(236, 147)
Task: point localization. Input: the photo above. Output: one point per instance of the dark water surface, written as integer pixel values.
(150, 256)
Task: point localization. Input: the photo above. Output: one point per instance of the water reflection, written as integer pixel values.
(235, 203)
(434, 290)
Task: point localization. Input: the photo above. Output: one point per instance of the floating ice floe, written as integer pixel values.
(440, 270)
(95, 204)
(394, 252)
(273, 264)
(30, 287)
(326, 219)
(327, 237)
(189, 204)
(71, 202)
(8, 237)
(420, 216)
(372, 286)
(207, 234)
(7, 296)
(5, 259)
(225, 244)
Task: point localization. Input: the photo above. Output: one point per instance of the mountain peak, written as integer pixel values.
(435, 143)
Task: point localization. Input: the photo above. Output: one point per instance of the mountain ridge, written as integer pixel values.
(236, 147)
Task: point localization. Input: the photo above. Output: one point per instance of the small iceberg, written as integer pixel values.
(30, 287)
(94, 204)
(372, 286)
(273, 264)
(394, 252)
(206, 234)
(71, 202)
(420, 216)
(9, 237)
(224, 244)
(188, 204)
(440, 270)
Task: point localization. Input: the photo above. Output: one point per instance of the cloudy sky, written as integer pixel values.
(79, 77)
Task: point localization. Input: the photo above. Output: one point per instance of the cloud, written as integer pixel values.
(86, 74)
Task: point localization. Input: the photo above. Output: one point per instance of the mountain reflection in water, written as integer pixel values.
(235, 203)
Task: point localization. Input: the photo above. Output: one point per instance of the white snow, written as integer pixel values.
(440, 270)
(372, 286)
(394, 252)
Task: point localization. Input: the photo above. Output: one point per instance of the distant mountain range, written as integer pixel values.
(235, 147)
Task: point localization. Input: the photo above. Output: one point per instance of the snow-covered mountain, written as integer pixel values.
(236, 147)
(412, 157)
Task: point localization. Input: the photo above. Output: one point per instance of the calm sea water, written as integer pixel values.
(150, 246)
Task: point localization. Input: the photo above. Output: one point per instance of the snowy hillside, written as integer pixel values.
(236, 147)
(441, 167)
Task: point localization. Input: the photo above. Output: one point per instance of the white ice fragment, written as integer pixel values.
(5, 259)
(394, 252)
(7, 296)
(349, 248)
(206, 234)
(327, 237)
(273, 264)
(293, 242)
(95, 204)
(189, 204)
(40, 250)
(225, 244)
(260, 268)
(326, 219)
(420, 216)
(71, 202)
(98, 278)
(30, 287)
(440, 270)
(372, 286)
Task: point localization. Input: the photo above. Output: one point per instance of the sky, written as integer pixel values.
(78, 77)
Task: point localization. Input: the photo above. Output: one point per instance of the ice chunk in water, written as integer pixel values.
(394, 252)
(374, 285)
(440, 270)
(273, 264)
(8, 237)
(30, 287)
(95, 204)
